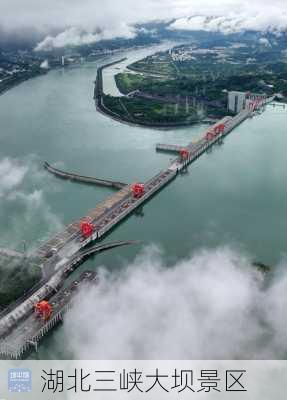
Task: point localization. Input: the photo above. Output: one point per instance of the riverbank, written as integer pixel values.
(117, 108)
(12, 82)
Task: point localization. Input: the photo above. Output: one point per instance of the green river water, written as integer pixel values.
(236, 195)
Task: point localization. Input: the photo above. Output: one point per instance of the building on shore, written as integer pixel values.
(236, 101)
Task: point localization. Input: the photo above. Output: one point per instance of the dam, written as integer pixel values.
(54, 255)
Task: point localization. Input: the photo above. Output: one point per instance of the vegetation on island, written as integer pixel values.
(188, 83)
(150, 112)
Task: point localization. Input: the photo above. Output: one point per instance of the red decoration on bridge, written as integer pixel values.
(184, 154)
(219, 129)
(137, 189)
(87, 228)
(43, 310)
(210, 135)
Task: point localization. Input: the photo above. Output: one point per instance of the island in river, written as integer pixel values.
(186, 84)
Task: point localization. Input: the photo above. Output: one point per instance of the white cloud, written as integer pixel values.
(211, 306)
(24, 210)
(11, 175)
(77, 37)
(265, 42)
(45, 64)
(273, 21)
(77, 21)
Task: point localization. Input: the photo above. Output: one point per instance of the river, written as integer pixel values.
(234, 195)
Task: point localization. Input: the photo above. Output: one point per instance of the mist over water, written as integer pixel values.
(212, 305)
(23, 203)
(199, 296)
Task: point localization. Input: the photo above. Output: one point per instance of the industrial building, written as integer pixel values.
(236, 101)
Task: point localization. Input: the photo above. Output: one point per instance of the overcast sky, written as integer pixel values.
(114, 18)
(90, 14)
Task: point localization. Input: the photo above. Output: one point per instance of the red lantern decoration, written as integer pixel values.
(184, 154)
(87, 228)
(219, 129)
(210, 135)
(43, 310)
(137, 189)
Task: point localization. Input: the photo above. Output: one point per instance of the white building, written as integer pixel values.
(236, 101)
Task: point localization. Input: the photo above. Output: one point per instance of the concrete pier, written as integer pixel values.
(168, 148)
(83, 179)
